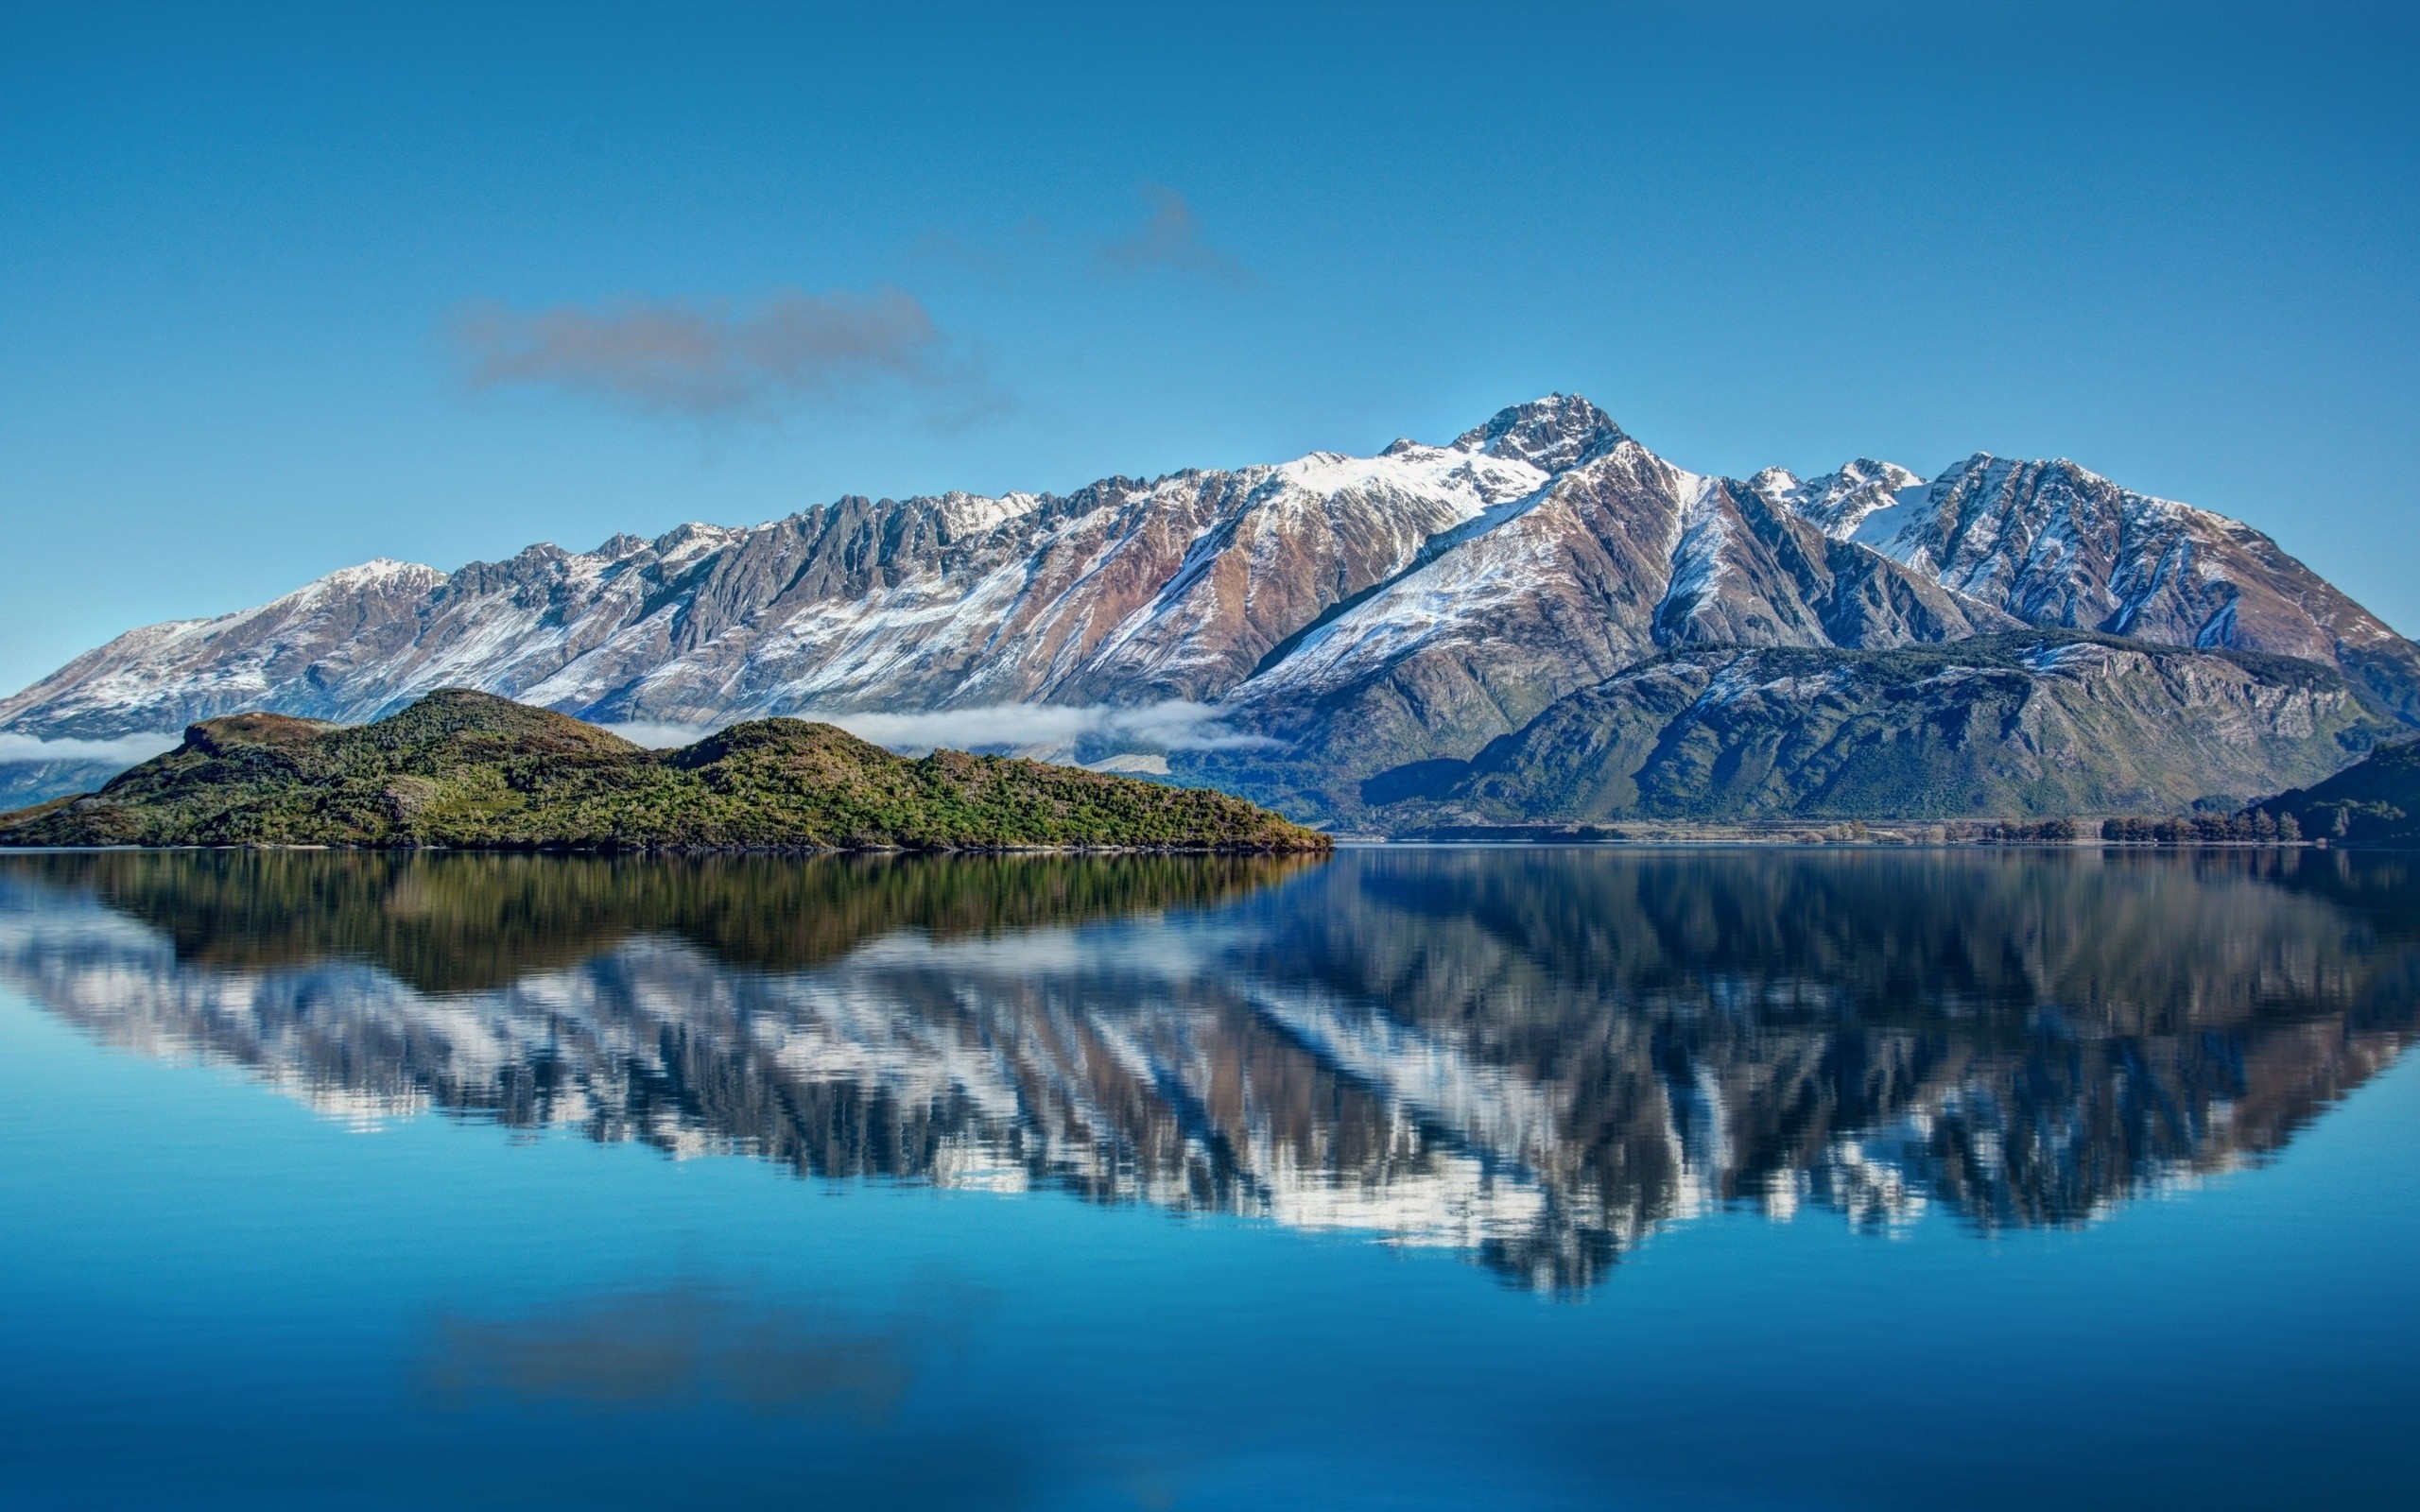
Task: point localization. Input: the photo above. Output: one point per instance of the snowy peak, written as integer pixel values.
(2056, 544)
(1837, 503)
(380, 572)
(1553, 434)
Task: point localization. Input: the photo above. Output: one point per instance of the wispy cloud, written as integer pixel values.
(1170, 239)
(711, 358)
(1174, 725)
(124, 751)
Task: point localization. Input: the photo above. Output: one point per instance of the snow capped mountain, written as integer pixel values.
(2057, 545)
(1362, 612)
(1551, 434)
(351, 625)
(1621, 556)
(1837, 503)
(1124, 591)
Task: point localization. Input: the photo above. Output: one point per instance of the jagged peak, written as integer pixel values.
(1999, 469)
(376, 572)
(1989, 462)
(1870, 470)
(1838, 503)
(1554, 433)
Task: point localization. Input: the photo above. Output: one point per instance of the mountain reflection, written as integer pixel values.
(1536, 1055)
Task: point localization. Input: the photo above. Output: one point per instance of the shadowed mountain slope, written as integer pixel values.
(2375, 801)
(2031, 723)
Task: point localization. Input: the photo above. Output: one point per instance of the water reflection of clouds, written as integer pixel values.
(695, 1343)
(831, 1379)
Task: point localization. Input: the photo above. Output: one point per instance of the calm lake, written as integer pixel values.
(1412, 1177)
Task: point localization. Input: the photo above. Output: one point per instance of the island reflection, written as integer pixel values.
(1535, 1056)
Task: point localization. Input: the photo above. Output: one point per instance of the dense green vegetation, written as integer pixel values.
(2375, 801)
(471, 770)
(2255, 826)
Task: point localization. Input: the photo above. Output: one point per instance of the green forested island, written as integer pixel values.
(470, 770)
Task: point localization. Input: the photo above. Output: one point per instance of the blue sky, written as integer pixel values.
(282, 289)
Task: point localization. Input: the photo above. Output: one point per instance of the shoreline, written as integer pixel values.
(641, 848)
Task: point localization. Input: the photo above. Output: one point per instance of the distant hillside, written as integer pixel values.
(2376, 801)
(460, 768)
(2031, 724)
(27, 783)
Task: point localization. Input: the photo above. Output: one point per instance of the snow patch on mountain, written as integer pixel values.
(1471, 482)
(1701, 532)
(1884, 522)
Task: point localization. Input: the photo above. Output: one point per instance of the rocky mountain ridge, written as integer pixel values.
(1337, 616)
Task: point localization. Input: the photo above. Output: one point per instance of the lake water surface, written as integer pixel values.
(1450, 1177)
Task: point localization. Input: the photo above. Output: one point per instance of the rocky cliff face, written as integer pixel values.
(1348, 615)
(2056, 545)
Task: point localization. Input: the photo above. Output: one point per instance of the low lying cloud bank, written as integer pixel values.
(124, 751)
(1175, 725)
(658, 736)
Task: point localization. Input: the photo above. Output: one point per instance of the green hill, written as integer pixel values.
(2374, 802)
(472, 770)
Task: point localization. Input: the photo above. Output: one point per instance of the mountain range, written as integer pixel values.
(1316, 633)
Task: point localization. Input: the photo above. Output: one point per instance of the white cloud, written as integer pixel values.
(656, 735)
(125, 749)
(1175, 725)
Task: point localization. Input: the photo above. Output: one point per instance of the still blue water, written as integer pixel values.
(1414, 1179)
